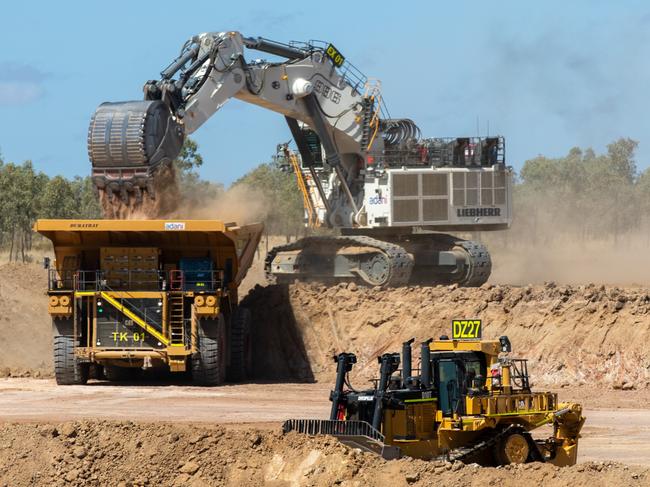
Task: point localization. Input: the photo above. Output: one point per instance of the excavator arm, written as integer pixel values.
(129, 142)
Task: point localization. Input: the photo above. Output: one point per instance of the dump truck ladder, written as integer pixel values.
(176, 319)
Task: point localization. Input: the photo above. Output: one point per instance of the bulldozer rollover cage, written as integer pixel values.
(125, 295)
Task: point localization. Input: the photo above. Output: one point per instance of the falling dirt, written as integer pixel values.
(138, 454)
(161, 203)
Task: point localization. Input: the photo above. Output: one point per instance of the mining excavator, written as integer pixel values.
(469, 402)
(386, 190)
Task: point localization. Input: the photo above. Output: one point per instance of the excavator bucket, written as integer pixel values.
(128, 143)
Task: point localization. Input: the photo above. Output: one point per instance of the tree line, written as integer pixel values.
(583, 195)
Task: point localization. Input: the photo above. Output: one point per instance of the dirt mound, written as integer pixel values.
(571, 334)
(132, 454)
(25, 326)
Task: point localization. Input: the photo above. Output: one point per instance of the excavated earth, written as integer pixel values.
(131, 454)
(594, 337)
(572, 335)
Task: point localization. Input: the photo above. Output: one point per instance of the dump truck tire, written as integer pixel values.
(67, 369)
(241, 346)
(208, 364)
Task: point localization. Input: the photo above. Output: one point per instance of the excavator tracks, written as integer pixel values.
(377, 263)
(479, 263)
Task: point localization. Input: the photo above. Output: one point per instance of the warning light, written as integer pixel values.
(370, 160)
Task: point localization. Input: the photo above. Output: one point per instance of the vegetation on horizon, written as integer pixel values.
(582, 196)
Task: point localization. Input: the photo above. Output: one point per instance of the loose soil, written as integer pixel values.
(590, 343)
(144, 454)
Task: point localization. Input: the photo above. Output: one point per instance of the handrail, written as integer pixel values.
(306, 196)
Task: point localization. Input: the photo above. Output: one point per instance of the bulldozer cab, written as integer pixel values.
(455, 375)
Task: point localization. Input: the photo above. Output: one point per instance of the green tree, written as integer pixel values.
(58, 199)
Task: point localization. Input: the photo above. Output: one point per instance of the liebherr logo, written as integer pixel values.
(474, 212)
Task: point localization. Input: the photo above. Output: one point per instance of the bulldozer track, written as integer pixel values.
(465, 453)
(399, 261)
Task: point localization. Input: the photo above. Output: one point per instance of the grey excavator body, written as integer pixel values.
(390, 193)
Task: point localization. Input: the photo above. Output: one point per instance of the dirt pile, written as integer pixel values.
(25, 326)
(132, 454)
(571, 334)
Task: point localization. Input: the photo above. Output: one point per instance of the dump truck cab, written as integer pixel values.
(469, 401)
(133, 294)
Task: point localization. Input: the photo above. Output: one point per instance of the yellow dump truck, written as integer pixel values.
(135, 294)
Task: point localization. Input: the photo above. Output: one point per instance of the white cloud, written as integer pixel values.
(20, 84)
(14, 93)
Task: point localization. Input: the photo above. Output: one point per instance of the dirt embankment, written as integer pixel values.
(25, 326)
(592, 335)
(133, 454)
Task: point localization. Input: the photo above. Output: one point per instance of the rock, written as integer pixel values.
(68, 430)
(628, 386)
(80, 452)
(72, 475)
(181, 480)
(457, 466)
(619, 305)
(255, 439)
(48, 431)
(412, 477)
(173, 437)
(190, 468)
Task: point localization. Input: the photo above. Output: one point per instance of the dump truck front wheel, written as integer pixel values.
(208, 364)
(513, 448)
(67, 369)
(241, 346)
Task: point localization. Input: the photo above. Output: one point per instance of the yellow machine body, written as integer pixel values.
(133, 292)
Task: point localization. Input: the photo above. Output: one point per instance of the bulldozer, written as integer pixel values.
(470, 401)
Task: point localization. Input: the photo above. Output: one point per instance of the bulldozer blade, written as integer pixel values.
(355, 434)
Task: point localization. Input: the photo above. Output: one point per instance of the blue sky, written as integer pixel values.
(547, 75)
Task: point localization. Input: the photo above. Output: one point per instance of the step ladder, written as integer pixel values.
(176, 319)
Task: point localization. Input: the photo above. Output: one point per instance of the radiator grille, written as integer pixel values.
(420, 198)
(406, 210)
(477, 188)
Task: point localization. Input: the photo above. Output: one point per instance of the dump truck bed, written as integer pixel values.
(227, 240)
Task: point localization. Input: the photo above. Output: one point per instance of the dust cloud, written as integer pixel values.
(571, 261)
(239, 204)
